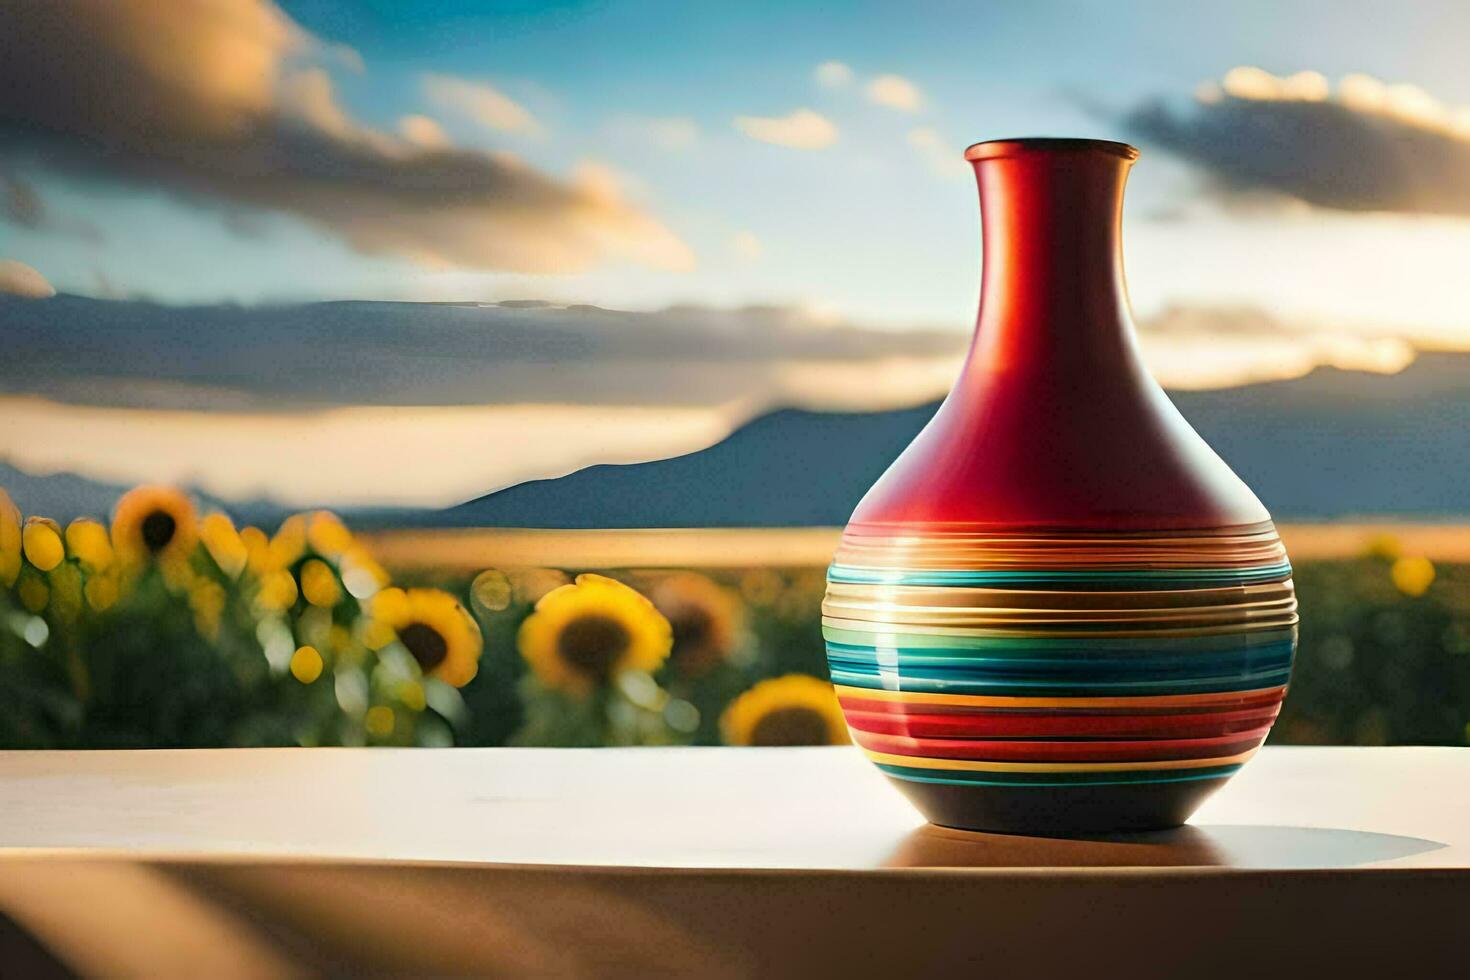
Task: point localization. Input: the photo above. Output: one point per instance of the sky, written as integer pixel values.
(1303, 194)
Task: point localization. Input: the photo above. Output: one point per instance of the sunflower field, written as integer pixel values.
(165, 627)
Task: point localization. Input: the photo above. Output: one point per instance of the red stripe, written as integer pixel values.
(1027, 750)
(892, 719)
(1247, 699)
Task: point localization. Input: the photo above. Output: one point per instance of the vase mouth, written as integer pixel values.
(990, 149)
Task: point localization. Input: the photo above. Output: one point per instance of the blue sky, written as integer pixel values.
(741, 176)
(864, 227)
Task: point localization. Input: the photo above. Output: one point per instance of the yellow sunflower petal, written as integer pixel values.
(319, 584)
(306, 664)
(791, 710)
(585, 633)
(706, 618)
(435, 629)
(224, 544)
(87, 541)
(327, 535)
(289, 542)
(10, 540)
(41, 539)
(257, 549)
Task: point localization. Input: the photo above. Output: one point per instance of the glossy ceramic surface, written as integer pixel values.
(1058, 611)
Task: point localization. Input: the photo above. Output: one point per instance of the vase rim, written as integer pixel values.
(989, 149)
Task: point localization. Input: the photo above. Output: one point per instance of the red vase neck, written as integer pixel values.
(1052, 295)
(1055, 422)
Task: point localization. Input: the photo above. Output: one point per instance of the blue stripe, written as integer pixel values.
(881, 678)
(1103, 663)
(1112, 578)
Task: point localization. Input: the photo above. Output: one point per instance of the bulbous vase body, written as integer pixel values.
(1058, 611)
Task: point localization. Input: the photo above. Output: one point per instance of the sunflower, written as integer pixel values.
(327, 535)
(88, 543)
(224, 544)
(1412, 576)
(584, 634)
(705, 619)
(41, 540)
(153, 523)
(791, 710)
(435, 629)
(319, 583)
(257, 549)
(276, 591)
(10, 540)
(361, 574)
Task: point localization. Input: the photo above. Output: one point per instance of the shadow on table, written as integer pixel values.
(1229, 845)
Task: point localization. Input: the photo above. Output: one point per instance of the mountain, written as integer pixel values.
(1330, 444)
(788, 468)
(65, 496)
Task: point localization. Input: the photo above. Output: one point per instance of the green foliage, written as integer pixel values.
(252, 639)
(1376, 666)
(214, 642)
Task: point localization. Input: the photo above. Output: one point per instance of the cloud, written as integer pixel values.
(672, 133)
(223, 109)
(803, 129)
(377, 403)
(20, 204)
(19, 279)
(746, 246)
(274, 358)
(380, 403)
(483, 103)
(895, 92)
(348, 456)
(833, 74)
(1363, 146)
(943, 158)
(269, 358)
(423, 131)
(1190, 346)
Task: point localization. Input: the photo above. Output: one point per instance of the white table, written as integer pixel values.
(708, 862)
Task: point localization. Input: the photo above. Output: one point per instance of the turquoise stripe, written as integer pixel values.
(1060, 644)
(1172, 578)
(1043, 779)
(934, 682)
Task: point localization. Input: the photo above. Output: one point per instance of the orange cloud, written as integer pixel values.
(210, 100)
(481, 102)
(19, 279)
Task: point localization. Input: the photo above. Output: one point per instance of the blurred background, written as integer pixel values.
(498, 373)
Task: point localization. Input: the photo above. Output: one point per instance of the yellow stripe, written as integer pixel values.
(920, 762)
(1122, 630)
(992, 701)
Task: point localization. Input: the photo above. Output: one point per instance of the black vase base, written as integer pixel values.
(1059, 811)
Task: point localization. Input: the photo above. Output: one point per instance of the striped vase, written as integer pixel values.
(1058, 611)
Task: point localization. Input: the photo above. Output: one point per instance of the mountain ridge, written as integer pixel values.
(1330, 444)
